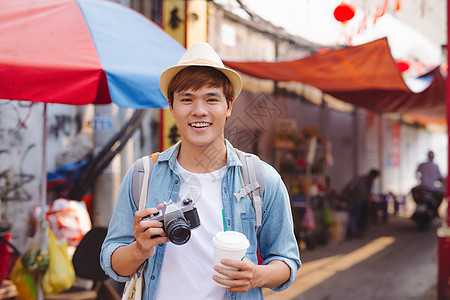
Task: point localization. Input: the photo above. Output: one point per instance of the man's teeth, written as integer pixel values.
(200, 125)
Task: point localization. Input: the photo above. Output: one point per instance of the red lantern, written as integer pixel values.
(344, 12)
(402, 65)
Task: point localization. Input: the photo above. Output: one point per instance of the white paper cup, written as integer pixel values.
(229, 245)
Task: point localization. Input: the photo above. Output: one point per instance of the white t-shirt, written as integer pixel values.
(187, 270)
(429, 174)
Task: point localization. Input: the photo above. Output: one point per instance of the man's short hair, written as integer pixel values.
(195, 77)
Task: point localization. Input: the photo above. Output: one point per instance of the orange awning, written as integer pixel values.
(366, 76)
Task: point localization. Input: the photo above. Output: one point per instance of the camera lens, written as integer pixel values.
(178, 231)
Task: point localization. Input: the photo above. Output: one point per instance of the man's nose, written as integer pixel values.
(199, 108)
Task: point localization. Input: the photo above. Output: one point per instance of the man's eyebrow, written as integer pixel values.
(182, 93)
(216, 94)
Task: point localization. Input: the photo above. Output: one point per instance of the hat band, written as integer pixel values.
(200, 61)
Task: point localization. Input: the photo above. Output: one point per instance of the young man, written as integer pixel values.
(204, 167)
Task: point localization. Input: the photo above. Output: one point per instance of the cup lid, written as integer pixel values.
(231, 240)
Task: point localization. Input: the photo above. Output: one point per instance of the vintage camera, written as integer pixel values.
(177, 219)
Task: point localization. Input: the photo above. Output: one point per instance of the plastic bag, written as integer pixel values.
(25, 281)
(36, 257)
(60, 274)
(69, 220)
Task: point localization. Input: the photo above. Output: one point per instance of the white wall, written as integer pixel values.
(21, 137)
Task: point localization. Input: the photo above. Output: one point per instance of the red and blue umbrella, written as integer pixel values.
(82, 51)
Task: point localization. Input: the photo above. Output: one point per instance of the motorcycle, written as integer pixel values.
(427, 204)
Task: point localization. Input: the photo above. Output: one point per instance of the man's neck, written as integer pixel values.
(203, 159)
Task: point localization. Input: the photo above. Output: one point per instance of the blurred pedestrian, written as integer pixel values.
(357, 193)
(430, 178)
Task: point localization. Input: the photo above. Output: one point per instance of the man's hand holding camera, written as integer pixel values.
(127, 259)
(148, 233)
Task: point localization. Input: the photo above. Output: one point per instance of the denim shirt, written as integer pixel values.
(275, 236)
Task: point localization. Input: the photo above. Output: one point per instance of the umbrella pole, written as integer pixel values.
(44, 164)
(40, 295)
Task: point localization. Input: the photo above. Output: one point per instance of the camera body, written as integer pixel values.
(178, 220)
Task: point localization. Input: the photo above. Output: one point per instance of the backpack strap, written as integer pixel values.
(142, 174)
(254, 181)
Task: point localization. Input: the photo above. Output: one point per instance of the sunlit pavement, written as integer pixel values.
(392, 261)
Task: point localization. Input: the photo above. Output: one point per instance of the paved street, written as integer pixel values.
(393, 261)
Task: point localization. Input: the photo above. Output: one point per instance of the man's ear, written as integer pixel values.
(170, 107)
(230, 107)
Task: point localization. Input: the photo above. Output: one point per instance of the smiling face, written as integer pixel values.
(200, 116)
(200, 100)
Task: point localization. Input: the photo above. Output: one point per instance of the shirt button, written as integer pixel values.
(153, 277)
(225, 190)
(176, 181)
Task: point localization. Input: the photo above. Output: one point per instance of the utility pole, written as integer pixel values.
(444, 231)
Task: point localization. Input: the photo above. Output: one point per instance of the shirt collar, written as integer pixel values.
(171, 154)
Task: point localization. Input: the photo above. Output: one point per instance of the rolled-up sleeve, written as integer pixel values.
(120, 229)
(276, 236)
(293, 265)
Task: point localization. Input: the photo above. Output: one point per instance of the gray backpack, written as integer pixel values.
(252, 173)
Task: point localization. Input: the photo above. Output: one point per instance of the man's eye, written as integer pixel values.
(186, 100)
(212, 100)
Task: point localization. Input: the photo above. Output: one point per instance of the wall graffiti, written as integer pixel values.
(21, 144)
(12, 183)
(15, 151)
(60, 124)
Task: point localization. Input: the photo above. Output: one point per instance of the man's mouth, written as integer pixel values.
(200, 124)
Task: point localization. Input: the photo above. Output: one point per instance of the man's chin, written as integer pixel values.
(206, 142)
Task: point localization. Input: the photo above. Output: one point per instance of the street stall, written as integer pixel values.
(367, 76)
(300, 157)
(80, 52)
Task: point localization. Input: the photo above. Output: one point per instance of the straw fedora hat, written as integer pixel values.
(200, 54)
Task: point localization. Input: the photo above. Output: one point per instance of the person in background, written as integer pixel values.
(429, 174)
(201, 91)
(430, 178)
(357, 193)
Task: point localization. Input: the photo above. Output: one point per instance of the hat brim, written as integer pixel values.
(169, 74)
